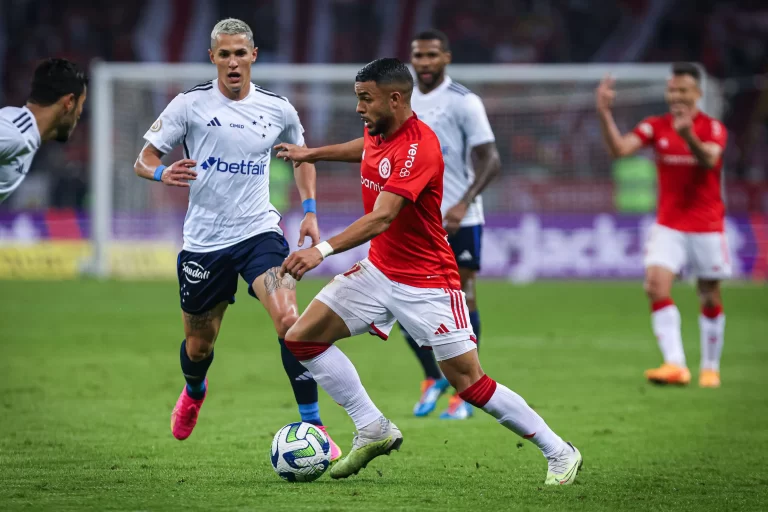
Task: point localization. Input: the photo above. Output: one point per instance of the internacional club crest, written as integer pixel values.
(385, 168)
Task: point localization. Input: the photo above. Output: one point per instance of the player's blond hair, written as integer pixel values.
(231, 26)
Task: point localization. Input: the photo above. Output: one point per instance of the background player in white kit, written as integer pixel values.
(227, 127)
(690, 222)
(53, 108)
(472, 161)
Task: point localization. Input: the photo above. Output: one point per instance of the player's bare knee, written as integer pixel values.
(285, 322)
(709, 293)
(199, 347)
(655, 289)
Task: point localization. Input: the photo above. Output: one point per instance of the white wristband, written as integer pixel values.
(325, 249)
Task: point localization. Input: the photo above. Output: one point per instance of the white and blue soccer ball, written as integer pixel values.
(300, 452)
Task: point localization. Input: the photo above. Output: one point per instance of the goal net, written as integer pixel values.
(553, 212)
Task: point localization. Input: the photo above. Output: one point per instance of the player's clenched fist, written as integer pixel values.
(298, 154)
(180, 173)
(605, 93)
(301, 262)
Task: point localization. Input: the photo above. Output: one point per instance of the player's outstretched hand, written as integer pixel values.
(309, 229)
(301, 262)
(682, 119)
(297, 154)
(180, 173)
(605, 93)
(454, 216)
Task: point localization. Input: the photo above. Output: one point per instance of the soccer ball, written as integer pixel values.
(300, 452)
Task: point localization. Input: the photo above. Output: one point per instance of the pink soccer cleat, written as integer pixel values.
(335, 450)
(184, 415)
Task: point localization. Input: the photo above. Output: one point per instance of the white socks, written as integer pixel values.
(513, 412)
(665, 320)
(336, 374)
(712, 335)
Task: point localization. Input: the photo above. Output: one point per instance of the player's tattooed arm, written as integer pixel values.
(351, 151)
(273, 280)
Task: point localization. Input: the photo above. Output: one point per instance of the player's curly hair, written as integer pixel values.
(55, 78)
(387, 71)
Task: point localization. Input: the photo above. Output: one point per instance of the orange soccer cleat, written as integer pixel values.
(669, 374)
(709, 379)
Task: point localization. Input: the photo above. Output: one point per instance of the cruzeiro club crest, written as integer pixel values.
(385, 168)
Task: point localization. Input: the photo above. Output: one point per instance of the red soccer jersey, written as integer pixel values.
(414, 250)
(690, 196)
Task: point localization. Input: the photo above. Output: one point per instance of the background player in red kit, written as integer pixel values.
(410, 276)
(689, 227)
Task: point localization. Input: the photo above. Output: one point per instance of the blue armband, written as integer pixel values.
(159, 173)
(310, 206)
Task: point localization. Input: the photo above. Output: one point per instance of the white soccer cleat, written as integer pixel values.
(563, 467)
(378, 438)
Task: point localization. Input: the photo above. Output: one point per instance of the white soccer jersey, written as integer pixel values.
(19, 141)
(458, 118)
(232, 143)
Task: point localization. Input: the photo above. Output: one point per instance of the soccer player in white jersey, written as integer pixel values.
(227, 127)
(53, 108)
(468, 145)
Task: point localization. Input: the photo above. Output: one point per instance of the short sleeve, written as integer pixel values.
(293, 132)
(475, 124)
(413, 169)
(646, 130)
(171, 127)
(716, 133)
(12, 143)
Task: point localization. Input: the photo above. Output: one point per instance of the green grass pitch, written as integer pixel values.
(89, 373)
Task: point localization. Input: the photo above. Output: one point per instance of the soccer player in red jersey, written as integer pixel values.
(410, 276)
(689, 228)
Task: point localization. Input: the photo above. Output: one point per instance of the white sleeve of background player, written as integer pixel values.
(293, 132)
(476, 126)
(12, 143)
(171, 127)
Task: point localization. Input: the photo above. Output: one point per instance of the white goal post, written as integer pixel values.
(119, 118)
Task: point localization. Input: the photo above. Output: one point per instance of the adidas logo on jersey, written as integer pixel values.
(465, 256)
(214, 122)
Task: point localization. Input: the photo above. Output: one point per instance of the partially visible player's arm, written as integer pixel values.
(305, 175)
(487, 165)
(367, 227)
(149, 166)
(708, 153)
(618, 145)
(351, 151)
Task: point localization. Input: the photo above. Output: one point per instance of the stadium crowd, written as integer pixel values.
(726, 36)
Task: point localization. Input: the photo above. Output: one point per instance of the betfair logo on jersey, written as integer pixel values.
(242, 167)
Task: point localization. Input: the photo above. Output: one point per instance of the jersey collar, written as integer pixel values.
(37, 135)
(437, 90)
(226, 100)
(407, 124)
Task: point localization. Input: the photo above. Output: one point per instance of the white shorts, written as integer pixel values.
(370, 302)
(706, 254)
